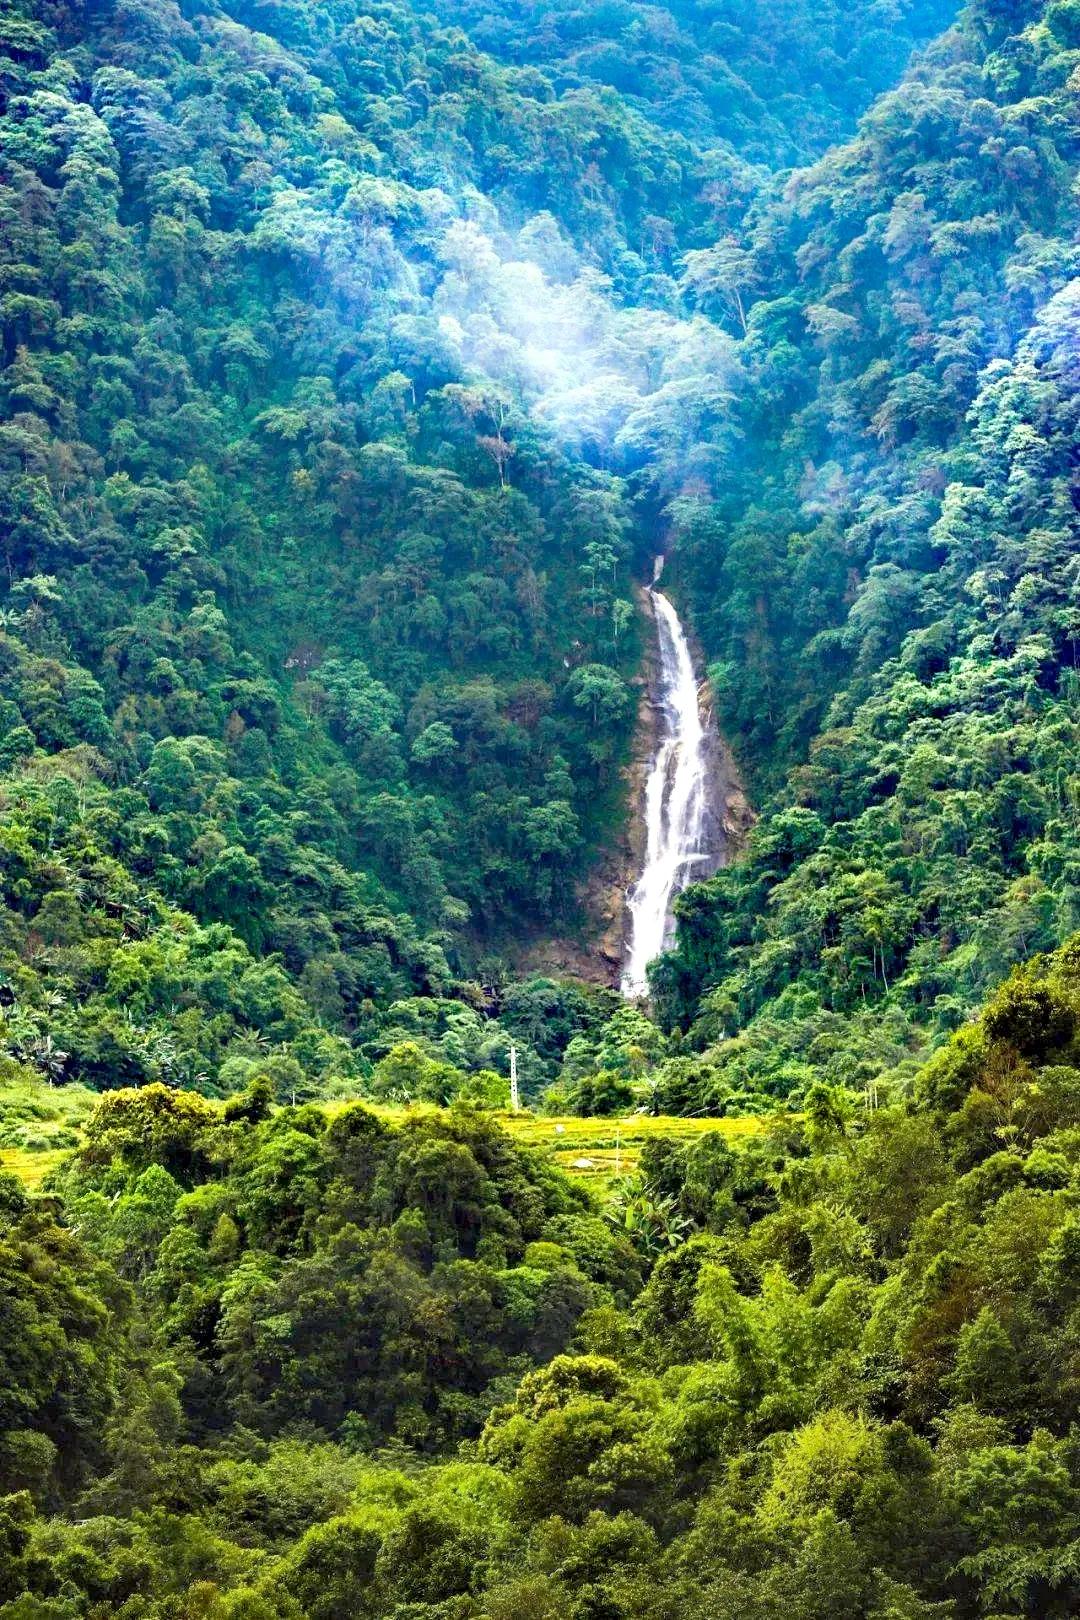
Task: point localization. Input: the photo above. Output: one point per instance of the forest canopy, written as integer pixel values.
(285, 1364)
(356, 361)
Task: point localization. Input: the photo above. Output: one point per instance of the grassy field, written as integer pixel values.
(596, 1150)
(600, 1149)
(31, 1165)
(39, 1125)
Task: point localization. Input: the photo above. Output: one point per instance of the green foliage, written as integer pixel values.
(63, 1321)
(846, 1387)
(880, 569)
(365, 1280)
(300, 602)
(350, 361)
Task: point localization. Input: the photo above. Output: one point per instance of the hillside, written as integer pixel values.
(349, 374)
(884, 570)
(357, 361)
(831, 1373)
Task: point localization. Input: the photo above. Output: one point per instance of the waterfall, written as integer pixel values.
(675, 800)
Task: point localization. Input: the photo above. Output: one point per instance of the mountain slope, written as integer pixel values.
(283, 647)
(317, 633)
(886, 573)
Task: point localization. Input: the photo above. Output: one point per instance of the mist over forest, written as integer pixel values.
(539, 810)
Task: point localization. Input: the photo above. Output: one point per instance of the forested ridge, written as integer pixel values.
(351, 373)
(355, 362)
(829, 1375)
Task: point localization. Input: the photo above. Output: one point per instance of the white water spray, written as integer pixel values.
(675, 800)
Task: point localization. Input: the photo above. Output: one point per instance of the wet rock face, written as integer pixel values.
(689, 812)
(608, 886)
(729, 815)
(599, 954)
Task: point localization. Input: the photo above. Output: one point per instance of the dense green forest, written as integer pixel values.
(356, 359)
(275, 1366)
(354, 365)
(893, 528)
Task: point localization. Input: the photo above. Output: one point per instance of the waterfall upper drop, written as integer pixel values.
(676, 800)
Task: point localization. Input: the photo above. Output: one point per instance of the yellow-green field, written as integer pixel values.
(40, 1124)
(31, 1166)
(597, 1150)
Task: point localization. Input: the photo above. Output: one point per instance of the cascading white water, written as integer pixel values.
(675, 800)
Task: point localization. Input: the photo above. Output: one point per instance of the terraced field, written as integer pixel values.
(30, 1165)
(597, 1150)
(601, 1149)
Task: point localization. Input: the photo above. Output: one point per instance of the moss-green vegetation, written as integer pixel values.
(353, 360)
(883, 569)
(288, 1365)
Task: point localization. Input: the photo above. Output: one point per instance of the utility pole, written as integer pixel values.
(515, 1096)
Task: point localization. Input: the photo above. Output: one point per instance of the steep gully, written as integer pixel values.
(693, 809)
(688, 815)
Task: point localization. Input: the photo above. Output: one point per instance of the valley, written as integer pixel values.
(540, 566)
